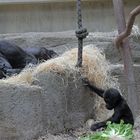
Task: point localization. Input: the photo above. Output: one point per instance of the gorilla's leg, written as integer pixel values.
(6, 69)
(2, 74)
(10, 72)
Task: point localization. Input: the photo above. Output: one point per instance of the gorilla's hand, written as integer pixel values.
(85, 81)
(96, 126)
(10, 72)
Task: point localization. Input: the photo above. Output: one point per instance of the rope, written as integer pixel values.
(81, 33)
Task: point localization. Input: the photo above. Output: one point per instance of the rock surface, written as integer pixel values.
(20, 109)
(65, 104)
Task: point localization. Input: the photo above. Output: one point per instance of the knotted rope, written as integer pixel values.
(81, 33)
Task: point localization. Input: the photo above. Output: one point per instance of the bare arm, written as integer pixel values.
(93, 88)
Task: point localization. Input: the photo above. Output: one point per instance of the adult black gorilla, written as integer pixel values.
(13, 59)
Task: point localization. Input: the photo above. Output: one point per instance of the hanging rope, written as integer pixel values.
(81, 33)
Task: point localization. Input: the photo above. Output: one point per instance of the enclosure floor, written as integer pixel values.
(75, 134)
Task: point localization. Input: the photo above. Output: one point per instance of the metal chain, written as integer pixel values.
(81, 33)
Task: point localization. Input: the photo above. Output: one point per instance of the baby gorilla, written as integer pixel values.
(115, 101)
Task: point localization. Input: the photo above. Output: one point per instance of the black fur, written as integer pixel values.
(41, 53)
(13, 59)
(17, 57)
(113, 100)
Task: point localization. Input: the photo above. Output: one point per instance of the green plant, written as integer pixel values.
(121, 131)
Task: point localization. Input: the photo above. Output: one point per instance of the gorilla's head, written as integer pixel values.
(112, 98)
(46, 54)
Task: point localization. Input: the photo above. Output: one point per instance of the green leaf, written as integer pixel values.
(121, 130)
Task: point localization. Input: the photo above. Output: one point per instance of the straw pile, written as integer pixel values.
(95, 67)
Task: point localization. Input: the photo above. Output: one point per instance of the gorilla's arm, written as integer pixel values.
(15, 55)
(10, 72)
(93, 88)
(114, 119)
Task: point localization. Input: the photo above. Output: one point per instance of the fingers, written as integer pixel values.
(99, 125)
(85, 80)
(94, 127)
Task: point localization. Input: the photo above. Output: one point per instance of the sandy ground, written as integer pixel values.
(71, 135)
(75, 134)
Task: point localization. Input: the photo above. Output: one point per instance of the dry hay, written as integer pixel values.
(25, 77)
(95, 67)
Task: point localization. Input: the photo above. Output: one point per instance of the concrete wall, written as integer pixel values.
(98, 15)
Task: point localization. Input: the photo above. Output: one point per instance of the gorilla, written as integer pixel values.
(41, 53)
(6, 68)
(113, 100)
(13, 58)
